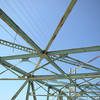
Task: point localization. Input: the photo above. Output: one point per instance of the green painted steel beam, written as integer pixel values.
(17, 46)
(8, 65)
(33, 90)
(52, 77)
(77, 62)
(74, 50)
(72, 85)
(78, 95)
(90, 92)
(18, 30)
(68, 76)
(85, 64)
(22, 56)
(48, 93)
(28, 90)
(17, 93)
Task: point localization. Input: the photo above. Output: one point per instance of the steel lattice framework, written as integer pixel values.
(70, 90)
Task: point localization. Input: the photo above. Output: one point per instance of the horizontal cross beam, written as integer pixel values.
(50, 77)
(74, 50)
(72, 85)
(22, 56)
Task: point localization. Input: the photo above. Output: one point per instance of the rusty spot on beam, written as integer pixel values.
(54, 36)
(61, 22)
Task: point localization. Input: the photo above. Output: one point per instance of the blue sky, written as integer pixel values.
(39, 19)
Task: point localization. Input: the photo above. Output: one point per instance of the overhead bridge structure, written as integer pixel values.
(56, 84)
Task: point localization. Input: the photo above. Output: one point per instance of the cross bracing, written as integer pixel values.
(57, 84)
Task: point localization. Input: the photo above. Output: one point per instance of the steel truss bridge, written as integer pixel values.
(69, 87)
